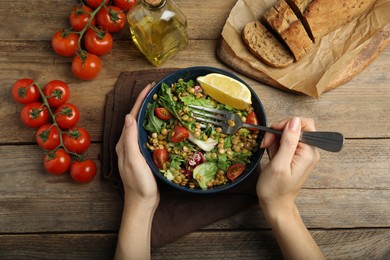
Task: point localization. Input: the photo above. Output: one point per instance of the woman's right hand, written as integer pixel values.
(291, 163)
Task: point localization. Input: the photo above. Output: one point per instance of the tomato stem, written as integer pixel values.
(89, 22)
(53, 117)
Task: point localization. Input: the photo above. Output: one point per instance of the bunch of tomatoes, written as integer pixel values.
(92, 22)
(57, 132)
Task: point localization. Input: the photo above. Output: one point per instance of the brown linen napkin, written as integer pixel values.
(178, 213)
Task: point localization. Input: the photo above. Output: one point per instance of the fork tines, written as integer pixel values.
(206, 115)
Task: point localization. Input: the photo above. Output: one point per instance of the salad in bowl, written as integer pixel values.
(191, 155)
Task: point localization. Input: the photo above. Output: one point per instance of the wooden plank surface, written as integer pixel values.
(345, 203)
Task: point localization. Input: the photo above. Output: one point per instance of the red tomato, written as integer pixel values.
(125, 5)
(86, 66)
(98, 42)
(252, 119)
(48, 137)
(234, 171)
(111, 18)
(57, 92)
(80, 16)
(67, 115)
(57, 163)
(34, 114)
(24, 91)
(65, 43)
(180, 134)
(162, 113)
(84, 171)
(95, 3)
(77, 140)
(160, 156)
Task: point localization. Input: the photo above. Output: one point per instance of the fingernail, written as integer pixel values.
(294, 124)
(262, 143)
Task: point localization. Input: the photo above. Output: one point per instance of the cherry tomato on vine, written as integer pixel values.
(48, 137)
(95, 3)
(98, 42)
(180, 134)
(124, 5)
(34, 114)
(162, 113)
(24, 91)
(160, 156)
(86, 66)
(84, 171)
(77, 140)
(57, 92)
(65, 43)
(67, 115)
(111, 18)
(57, 162)
(79, 17)
(234, 171)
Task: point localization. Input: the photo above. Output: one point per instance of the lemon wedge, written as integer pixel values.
(226, 90)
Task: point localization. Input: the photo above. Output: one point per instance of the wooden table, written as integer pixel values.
(345, 203)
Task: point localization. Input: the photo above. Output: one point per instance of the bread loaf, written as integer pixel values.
(325, 16)
(283, 21)
(297, 24)
(264, 45)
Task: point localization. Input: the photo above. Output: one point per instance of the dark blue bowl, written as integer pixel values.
(187, 74)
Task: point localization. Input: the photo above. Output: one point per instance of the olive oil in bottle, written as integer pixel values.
(158, 28)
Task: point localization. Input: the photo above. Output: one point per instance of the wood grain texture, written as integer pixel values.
(345, 203)
(258, 244)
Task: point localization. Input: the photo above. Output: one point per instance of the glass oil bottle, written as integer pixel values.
(158, 28)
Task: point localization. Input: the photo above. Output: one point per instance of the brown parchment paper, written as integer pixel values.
(329, 57)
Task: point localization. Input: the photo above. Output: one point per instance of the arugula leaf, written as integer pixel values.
(152, 123)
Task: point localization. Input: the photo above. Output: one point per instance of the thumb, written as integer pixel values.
(130, 133)
(288, 141)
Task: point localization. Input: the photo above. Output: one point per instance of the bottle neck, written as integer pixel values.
(154, 4)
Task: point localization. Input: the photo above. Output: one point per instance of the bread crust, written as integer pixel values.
(283, 21)
(265, 46)
(342, 12)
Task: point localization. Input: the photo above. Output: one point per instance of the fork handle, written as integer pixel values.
(328, 141)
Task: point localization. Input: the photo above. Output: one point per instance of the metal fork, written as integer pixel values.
(231, 122)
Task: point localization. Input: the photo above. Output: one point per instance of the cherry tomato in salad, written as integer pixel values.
(111, 18)
(65, 43)
(80, 16)
(180, 134)
(162, 113)
(95, 3)
(124, 5)
(57, 92)
(160, 156)
(77, 140)
(25, 91)
(98, 42)
(234, 171)
(86, 66)
(252, 119)
(48, 137)
(57, 162)
(84, 171)
(67, 115)
(34, 114)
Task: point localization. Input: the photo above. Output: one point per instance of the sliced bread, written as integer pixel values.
(264, 45)
(285, 23)
(299, 7)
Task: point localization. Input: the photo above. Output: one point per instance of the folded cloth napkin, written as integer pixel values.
(178, 213)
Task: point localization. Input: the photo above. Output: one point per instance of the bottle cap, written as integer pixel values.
(155, 3)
